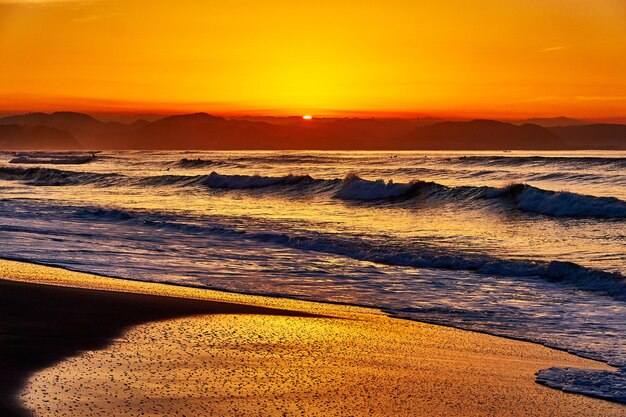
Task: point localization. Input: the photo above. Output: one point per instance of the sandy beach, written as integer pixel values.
(78, 344)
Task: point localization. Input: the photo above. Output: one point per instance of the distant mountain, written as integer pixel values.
(20, 137)
(89, 131)
(552, 121)
(482, 135)
(59, 120)
(610, 120)
(201, 131)
(128, 118)
(593, 136)
(205, 131)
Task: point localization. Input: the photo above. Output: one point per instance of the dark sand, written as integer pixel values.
(42, 324)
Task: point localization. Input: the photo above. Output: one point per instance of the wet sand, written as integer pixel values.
(42, 324)
(77, 344)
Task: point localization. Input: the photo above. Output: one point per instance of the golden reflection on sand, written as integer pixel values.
(356, 363)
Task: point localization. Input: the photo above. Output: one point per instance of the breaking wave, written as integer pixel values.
(237, 182)
(56, 177)
(355, 188)
(560, 203)
(229, 182)
(523, 197)
(195, 163)
(53, 158)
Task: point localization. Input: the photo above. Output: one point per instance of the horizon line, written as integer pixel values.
(357, 114)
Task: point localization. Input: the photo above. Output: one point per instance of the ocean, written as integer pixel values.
(528, 245)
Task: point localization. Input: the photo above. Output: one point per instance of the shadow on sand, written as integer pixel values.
(41, 325)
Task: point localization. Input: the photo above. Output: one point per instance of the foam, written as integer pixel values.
(355, 188)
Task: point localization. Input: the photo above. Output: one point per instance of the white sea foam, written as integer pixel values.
(561, 204)
(355, 188)
(46, 158)
(215, 180)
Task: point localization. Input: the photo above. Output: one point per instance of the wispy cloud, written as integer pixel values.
(539, 99)
(570, 98)
(553, 48)
(601, 98)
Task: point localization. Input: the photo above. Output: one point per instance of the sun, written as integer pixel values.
(307, 117)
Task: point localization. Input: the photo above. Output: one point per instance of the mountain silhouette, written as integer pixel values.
(89, 131)
(593, 136)
(206, 131)
(553, 121)
(20, 137)
(482, 135)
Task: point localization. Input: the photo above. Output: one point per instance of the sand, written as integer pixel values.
(168, 350)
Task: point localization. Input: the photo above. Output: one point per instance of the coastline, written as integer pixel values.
(345, 356)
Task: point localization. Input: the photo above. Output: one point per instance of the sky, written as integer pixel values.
(481, 58)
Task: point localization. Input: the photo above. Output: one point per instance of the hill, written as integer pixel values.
(89, 131)
(205, 131)
(552, 121)
(20, 137)
(482, 135)
(593, 136)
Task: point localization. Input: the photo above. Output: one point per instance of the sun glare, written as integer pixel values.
(307, 117)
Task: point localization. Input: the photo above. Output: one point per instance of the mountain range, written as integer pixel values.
(70, 130)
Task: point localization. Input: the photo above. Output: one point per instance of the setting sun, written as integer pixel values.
(307, 117)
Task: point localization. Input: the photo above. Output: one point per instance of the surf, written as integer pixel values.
(523, 197)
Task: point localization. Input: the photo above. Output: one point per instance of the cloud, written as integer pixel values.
(553, 48)
(601, 98)
(539, 99)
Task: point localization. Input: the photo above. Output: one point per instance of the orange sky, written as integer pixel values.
(494, 58)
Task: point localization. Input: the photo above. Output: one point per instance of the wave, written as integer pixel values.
(45, 154)
(523, 197)
(608, 385)
(229, 182)
(579, 176)
(559, 203)
(238, 182)
(419, 256)
(585, 161)
(166, 180)
(288, 159)
(53, 158)
(195, 163)
(56, 177)
(355, 188)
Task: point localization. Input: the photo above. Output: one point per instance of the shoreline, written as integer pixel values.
(146, 307)
(252, 296)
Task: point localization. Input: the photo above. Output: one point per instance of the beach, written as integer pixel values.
(80, 344)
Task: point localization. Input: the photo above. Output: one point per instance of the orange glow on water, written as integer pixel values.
(403, 57)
